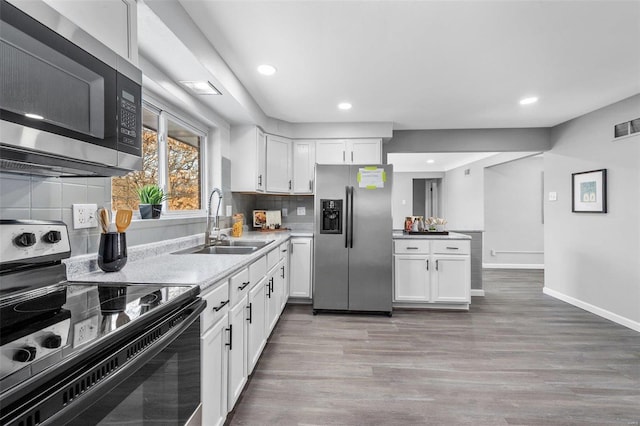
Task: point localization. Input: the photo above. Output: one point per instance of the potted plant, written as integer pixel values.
(151, 198)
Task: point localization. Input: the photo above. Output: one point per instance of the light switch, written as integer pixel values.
(301, 211)
(229, 211)
(553, 196)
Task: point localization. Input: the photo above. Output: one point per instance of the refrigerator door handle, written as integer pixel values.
(351, 219)
(346, 219)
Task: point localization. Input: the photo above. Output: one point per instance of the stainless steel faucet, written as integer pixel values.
(207, 232)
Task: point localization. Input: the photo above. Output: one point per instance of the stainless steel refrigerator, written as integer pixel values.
(352, 238)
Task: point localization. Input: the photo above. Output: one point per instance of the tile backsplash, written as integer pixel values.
(246, 203)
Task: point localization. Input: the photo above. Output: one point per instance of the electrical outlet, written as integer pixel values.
(553, 196)
(229, 211)
(301, 211)
(85, 331)
(84, 216)
(285, 212)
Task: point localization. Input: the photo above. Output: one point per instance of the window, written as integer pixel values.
(175, 165)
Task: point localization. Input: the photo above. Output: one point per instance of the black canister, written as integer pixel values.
(112, 252)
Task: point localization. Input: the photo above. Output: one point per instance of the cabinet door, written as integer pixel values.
(365, 151)
(261, 150)
(331, 151)
(255, 325)
(278, 164)
(214, 373)
(304, 159)
(272, 304)
(236, 335)
(451, 279)
(284, 248)
(411, 278)
(300, 268)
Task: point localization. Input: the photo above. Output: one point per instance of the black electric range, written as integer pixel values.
(52, 330)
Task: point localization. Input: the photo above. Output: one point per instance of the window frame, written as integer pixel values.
(164, 115)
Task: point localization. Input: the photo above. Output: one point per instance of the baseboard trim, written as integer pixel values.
(513, 265)
(634, 325)
(477, 292)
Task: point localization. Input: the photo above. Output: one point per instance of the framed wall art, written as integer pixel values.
(589, 191)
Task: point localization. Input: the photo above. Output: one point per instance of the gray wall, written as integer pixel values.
(513, 213)
(402, 194)
(593, 260)
(468, 140)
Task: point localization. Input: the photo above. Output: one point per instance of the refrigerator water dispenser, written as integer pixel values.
(331, 217)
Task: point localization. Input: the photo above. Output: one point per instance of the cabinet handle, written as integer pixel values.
(250, 307)
(310, 185)
(230, 330)
(344, 156)
(259, 180)
(217, 308)
(436, 265)
(289, 185)
(412, 248)
(244, 285)
(282, 267)
(269, 289)
(271, 284)
(427, 264)
(453, 248)
(352, 156)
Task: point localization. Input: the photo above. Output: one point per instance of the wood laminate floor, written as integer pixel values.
(518, 357)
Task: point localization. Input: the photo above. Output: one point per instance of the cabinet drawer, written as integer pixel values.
(411, 246)
(273, 257)
(238, 286)
(258, 269)
(217, 305)
(450, 247)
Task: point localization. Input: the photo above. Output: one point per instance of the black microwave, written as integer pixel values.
(69, 106)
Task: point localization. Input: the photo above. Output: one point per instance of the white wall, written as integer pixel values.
(463, 195)
(402, 194)
(513, 214)
(593, 260)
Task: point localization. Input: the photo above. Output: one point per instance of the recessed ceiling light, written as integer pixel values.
(34, 116)
(528, 101)
(344, 106)
(266, 69)
(201, 87)
(430, 161)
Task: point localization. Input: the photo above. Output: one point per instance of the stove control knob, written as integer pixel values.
(52, 237)
(53, 341)
(25, 354)
(26, 239)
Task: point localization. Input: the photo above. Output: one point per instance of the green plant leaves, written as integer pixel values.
(151, 194)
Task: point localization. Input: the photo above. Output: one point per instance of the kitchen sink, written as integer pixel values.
(227, 247)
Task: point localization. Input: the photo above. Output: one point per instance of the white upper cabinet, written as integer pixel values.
(113, 22)
(279, 164)
(304, 158)
(248, 159)
(349, 151)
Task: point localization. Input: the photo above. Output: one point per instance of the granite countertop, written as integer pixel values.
(154, 263)
(398, 235)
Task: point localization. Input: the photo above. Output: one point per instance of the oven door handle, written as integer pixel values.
(81, 402)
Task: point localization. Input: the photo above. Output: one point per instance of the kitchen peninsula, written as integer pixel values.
(431, 271)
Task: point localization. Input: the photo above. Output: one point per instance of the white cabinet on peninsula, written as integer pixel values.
(248, 158)
(432, 273)
(349, 151)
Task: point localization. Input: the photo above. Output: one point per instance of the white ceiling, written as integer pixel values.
(442, 162)
(426, 64)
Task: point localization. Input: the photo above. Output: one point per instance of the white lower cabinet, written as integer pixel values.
(300, 267)
(241, 312)
(237, 351)
(255, 324)
(214, 373)
(423, 276)
(214, 323)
